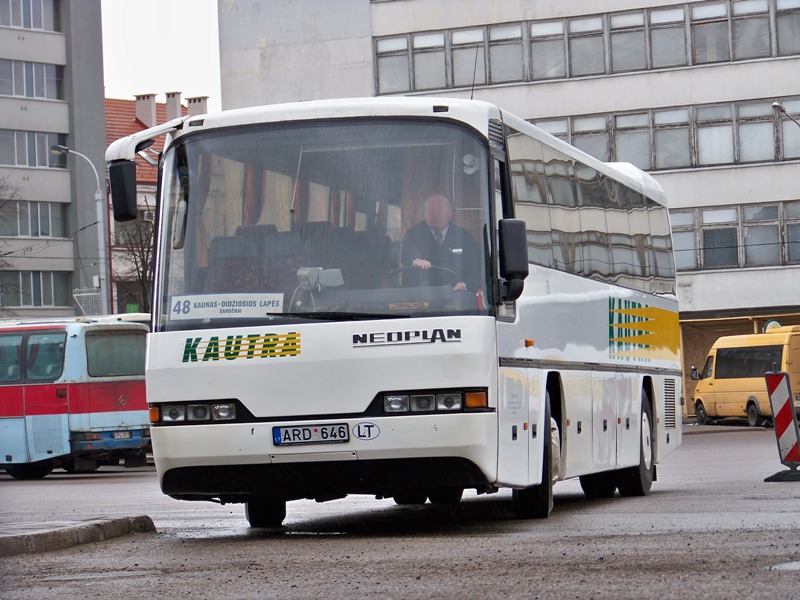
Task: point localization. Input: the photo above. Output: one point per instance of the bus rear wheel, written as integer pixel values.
(637, 481)
(29, 471)
(265, 512)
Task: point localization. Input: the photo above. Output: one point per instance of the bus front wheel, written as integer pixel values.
(637, 481)
(536, 502)
(754, 418)
(265, 512)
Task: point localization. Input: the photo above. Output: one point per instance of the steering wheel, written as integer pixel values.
(395, 272)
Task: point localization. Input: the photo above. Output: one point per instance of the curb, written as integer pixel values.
(67, 537)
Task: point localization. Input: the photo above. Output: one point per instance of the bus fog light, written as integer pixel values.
(423, 403)
(173, 414)
(395, 404)
(223, 412)
(448, 401)
(198, 412)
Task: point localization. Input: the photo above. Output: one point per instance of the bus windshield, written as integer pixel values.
(331, 220)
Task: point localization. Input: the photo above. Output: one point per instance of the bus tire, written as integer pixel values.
(536, 502)
(598, 485)
(265, 512)
(37, 470)
(409, 498)
(637, 481)
(445, 495)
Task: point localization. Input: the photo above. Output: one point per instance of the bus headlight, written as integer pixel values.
(423, 403)
(198, 412)
(173, 413)
(223, 412)
(395, 403)
(448, 401)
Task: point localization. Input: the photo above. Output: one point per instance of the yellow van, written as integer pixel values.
(732, 384)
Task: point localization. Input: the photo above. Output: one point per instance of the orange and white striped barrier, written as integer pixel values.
(786, 430)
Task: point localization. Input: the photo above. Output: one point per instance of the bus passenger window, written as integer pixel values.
(45, 360)
(10, 352)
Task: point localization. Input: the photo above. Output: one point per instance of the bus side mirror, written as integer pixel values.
(695, 374)
(513, 258)
(122, 175)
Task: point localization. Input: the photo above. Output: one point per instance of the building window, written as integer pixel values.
(393, 65)
(790, 132)
(30, 14)
(34, 288)
(429, 61)
(505, 53)
(20, 218)
(590, 135)
(710, 33)
(628, 42)
(714, 135)
(750, 29)
(632, 139)
(762, 242)
(788, 25)
(586, 47)
(668, 38)
(31, 149)
(548, 50)
(671, 133)
(469, 57)
(683, 239)
(791, 213)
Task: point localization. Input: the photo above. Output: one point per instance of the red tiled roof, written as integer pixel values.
(121, 121)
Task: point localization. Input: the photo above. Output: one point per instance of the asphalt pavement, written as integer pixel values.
(34, 537)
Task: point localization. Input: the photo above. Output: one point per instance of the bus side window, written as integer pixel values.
(45, 360)
(10, 353)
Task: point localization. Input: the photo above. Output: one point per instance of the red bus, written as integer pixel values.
(72, 395)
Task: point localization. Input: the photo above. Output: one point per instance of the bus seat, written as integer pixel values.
(280, 254)
(233, 265)
(257, 231)
(12, 373)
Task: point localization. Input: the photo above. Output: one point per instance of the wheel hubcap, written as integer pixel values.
(647, 449)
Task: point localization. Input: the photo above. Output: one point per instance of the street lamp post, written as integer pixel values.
(101, 238)
(779, 107)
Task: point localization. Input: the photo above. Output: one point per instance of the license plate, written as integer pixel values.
(121, 435)
(296, 435)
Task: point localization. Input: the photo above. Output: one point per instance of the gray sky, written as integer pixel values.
(160, 46)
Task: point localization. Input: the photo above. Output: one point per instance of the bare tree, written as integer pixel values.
(134, 249)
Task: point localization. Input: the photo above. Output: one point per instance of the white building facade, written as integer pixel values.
(703, 95)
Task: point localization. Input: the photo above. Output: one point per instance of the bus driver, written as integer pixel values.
(441, 252)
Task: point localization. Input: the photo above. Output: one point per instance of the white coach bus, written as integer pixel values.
(402, 297)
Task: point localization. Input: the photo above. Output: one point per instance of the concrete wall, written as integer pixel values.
(286, 50)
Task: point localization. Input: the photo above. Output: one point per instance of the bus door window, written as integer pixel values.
(708, 369)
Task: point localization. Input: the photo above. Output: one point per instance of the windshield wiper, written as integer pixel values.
(340, 316)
